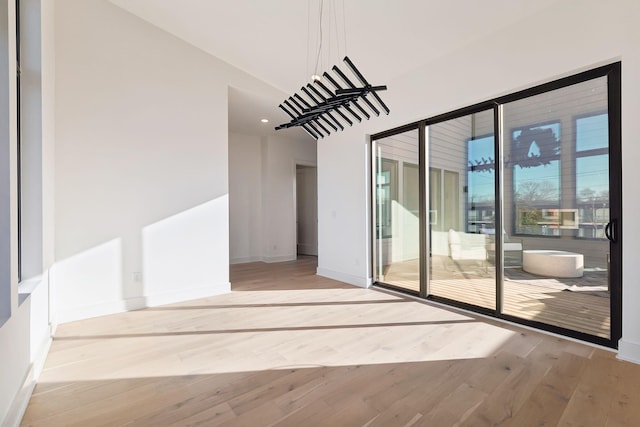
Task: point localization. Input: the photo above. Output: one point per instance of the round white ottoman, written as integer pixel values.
(553, 263)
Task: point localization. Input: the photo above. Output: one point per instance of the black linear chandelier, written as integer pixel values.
(313, 107)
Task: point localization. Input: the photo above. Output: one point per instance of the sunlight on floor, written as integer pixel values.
(263, 330)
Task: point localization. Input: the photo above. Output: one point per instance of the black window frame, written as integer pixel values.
(613, 73)
(19, 139)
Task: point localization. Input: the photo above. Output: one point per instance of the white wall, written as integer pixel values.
(245, 198)
(569, 37)
(133, 179)
(47, 48)
(24, 329)
(343, 206)
(12, 326)
(279, 158)
(262, 173)
(141, 208)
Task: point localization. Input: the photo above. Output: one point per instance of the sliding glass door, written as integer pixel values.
(396, 212)
(516, 203)
(462, 209)
(557, 203)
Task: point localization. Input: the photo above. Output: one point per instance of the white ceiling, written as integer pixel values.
(246, 110)
(277, 40)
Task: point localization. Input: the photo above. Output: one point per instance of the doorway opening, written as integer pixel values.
(306, 210)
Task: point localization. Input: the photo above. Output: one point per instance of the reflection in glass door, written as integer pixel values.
(462, 209)
(556, 202)
(396, 211)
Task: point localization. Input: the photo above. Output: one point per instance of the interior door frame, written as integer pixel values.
(304, 164)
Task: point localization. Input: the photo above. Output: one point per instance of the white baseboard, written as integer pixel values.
(186, 295)
(244, 260)
(362, 282)
(113, 307)
(307, 249)
(629, 351)
(21, 400)
(269, 259)
(280, 258)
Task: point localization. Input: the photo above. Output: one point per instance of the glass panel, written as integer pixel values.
(481, 185)
(592, 132)
(436, 220)
(556, 202)
(387, 189)
(461, 267)
(592, 176)
(410, 190)
(535, 159)
(451, 200)
(397, 248)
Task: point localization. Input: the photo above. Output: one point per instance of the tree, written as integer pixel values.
(535, 192)
(586, 195)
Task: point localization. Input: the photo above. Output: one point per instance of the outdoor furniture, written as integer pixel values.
(512, 248)
(467, 246)
(552, 263)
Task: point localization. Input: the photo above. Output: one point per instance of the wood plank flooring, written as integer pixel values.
(526, 296)
(290, 348)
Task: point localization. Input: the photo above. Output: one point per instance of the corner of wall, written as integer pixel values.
(362, 282)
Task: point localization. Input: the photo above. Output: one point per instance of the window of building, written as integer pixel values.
(592, 174)
(481, 184)
(536, 163)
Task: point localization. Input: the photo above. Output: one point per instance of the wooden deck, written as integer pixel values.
(579, 304)
(289, 348)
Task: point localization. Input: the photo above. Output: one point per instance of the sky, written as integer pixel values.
(591, 171)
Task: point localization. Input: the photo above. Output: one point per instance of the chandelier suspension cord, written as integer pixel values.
(344, 29)
(332, 100)
(308, 36)
(335, 26)
(328, 50)
(315, 71)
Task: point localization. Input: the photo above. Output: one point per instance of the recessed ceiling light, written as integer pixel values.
(265, 120)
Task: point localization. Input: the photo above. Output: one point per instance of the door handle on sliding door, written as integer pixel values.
(611, 231)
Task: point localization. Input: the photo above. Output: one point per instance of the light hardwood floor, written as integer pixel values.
(289, 348)
(543, 299)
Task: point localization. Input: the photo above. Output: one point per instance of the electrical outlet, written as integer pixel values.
(137, 276)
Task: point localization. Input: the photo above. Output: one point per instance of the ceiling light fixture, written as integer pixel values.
(319, 109)
(264, 120)
(312, 108)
